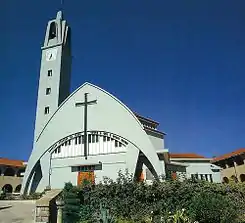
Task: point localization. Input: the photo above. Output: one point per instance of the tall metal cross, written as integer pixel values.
(85, 121)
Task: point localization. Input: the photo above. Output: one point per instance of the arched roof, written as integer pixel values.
(94, 86)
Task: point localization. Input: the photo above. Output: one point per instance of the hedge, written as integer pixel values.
(126, 200)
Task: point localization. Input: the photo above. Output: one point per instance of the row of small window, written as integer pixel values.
(207, 177)
(91, 139)
(94, 139)
(57, 150)
(86, 168)
(48, 92)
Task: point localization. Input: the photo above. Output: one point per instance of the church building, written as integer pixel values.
(86, 134)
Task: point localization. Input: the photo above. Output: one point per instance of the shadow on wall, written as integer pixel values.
(37, 178)
(143, 160)
(18, 188)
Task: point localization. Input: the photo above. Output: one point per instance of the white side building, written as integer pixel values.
(197, 166)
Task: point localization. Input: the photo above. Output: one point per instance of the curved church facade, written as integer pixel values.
(88, 134)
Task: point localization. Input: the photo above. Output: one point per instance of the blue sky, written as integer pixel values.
(179, 62)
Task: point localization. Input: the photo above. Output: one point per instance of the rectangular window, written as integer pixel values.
(196, 175)
(96, 138)
(120, 144)
(48, 91)
(201, 176)
(46, 110)
(83, 139)
(123, 141)
(86, 168)
(79, 140)
(76, 141)
(75, 169)
(89, 138)
(93, 138)
(49, 73)
(104, 138)
(206, 177)
(211, 178)
(116, 143)
(108, 138)
(69, 142)
(57, 150)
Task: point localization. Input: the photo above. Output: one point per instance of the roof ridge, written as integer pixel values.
(186, 155)
(230, 154)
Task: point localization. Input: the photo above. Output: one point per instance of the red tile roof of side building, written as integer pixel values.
(185, 155)
(8, 162)
(228, 155)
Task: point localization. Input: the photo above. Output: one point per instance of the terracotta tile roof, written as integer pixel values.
(228, 155)
(185, 155)
(8, 162)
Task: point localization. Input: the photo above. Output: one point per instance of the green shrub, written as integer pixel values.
(209, 207)
(128, 200)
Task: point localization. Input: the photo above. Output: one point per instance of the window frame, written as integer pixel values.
(48, 90)
(46, 110)
(50, 73)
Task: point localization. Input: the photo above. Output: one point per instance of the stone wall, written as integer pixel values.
(46, 208)
(42, 214)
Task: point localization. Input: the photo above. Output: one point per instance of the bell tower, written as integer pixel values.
(55, 71)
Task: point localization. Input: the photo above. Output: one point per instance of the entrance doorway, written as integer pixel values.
(85, 177)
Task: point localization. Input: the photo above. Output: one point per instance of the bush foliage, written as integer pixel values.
(130, 201)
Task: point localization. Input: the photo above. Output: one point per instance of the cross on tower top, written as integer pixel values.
(85, 121)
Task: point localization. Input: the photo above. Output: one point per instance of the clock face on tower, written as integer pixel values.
(51, 54)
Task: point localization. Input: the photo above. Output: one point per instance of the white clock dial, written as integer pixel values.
(51, 54)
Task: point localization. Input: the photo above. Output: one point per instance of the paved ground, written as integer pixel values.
(20, 212)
